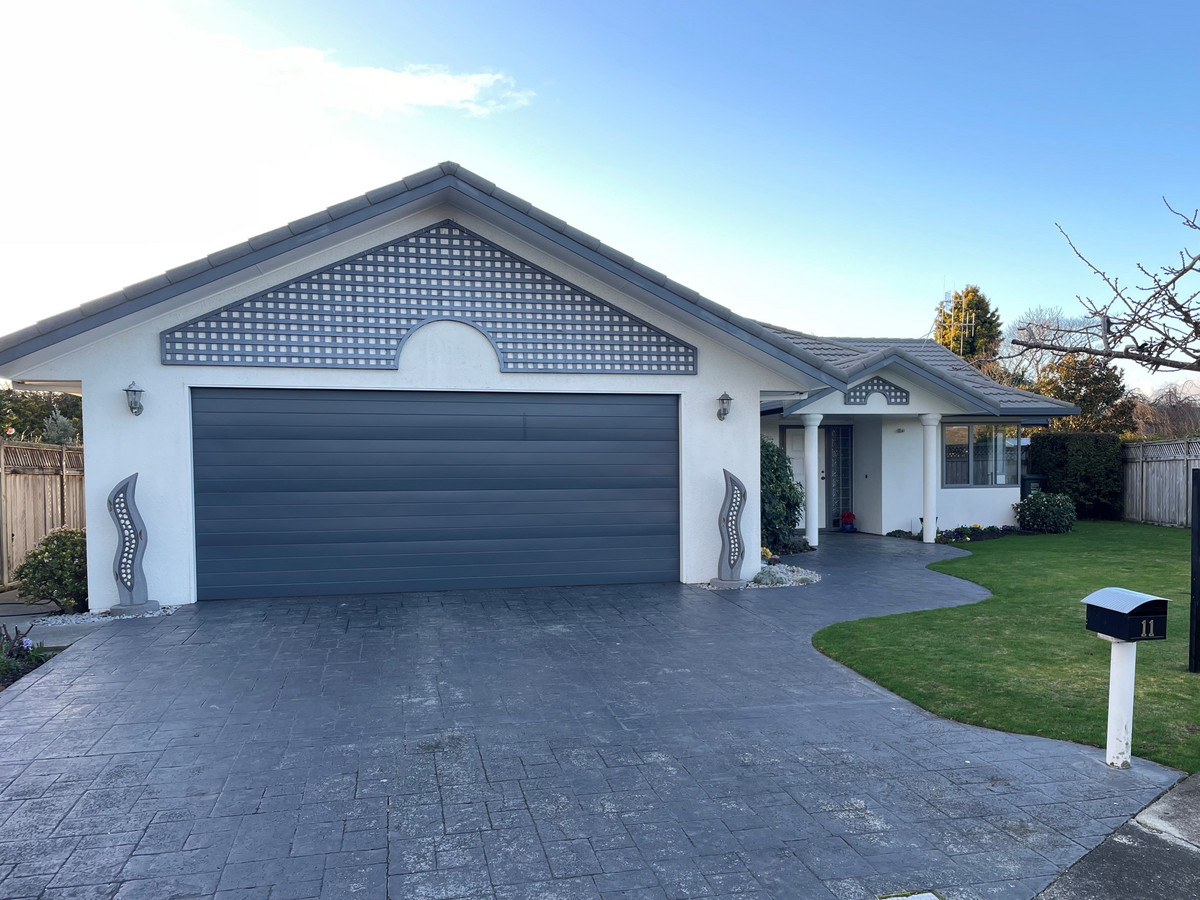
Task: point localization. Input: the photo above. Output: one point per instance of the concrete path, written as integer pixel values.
(657, 741)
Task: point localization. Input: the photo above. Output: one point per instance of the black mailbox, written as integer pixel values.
(1031, 484)
(1126, 615)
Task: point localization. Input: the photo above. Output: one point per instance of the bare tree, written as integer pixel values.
(1172, 412)
(1023, 366)
(1155, 324)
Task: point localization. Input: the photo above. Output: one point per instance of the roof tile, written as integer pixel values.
(308, 223)
(267, 238)
(145, 287)
(181, 273)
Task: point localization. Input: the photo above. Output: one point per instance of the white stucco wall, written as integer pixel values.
(442, 356)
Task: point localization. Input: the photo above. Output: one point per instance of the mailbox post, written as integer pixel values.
(1124, 618)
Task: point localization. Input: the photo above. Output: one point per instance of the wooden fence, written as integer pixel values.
(41, 488)
(1157, 481)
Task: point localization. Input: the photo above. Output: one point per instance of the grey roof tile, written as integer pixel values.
(141, 288)
(581, 237)
(267, 238)
(521, 206)
(475, 181)
(51, 323)
(108, 301)
(229, 254)
(413, 181)
(19, 337)
(182, 273)
(308, 223)
(354, 204)
(854, 355)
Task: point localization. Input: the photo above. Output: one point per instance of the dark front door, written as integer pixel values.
(311, 492)
(839, 473)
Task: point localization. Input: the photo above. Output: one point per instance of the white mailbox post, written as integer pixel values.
(1124, 618)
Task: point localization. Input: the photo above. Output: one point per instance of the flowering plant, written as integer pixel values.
(847, 518)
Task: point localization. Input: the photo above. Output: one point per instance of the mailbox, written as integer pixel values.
(1126, 615)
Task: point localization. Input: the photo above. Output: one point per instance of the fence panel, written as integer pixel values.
(41, 488)
(1157, 479)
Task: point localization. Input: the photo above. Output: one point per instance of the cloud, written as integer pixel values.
(374, 91)
(138, 139)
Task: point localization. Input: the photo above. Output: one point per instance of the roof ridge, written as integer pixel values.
(299, 232)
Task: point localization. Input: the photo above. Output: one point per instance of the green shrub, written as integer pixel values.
(1085, 466)
(55, 571)
(1045, 513)
(782, 500)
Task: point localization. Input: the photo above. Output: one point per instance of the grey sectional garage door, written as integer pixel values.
(309, 492)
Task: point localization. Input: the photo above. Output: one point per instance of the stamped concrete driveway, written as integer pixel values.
(641, 742)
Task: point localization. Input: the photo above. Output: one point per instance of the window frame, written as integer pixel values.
(970, 462)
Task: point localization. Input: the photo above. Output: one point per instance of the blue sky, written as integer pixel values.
(829, 167)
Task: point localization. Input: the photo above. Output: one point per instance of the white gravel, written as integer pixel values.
(786, 576)
(88, 617)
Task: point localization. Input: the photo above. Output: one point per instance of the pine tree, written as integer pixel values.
(969, 327)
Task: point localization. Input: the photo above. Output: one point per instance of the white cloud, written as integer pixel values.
(138, 140)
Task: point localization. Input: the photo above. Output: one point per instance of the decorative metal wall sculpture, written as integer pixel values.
(733, 550)
(131, 547)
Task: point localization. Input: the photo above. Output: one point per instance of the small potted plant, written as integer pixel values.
(848, 521)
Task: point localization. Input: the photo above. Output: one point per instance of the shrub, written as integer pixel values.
(782, 500)
(1045, 513)
(1085, 466)
(55, 571)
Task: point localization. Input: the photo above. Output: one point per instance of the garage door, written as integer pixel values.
(312, 492)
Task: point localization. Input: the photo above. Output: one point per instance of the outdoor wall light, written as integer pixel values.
(723, 404)
(133, 396)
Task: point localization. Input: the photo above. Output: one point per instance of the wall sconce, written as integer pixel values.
(133, 396)
(723, 404)
(899, 431)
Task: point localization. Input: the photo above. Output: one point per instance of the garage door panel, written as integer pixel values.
(363, 499)
(311, 492)
(655, 543)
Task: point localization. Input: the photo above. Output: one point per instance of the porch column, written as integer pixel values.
(812, 477)
(929, 457)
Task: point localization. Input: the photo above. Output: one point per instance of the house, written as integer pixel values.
(438, 386)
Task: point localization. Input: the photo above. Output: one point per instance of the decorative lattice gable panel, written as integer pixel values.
(355, 314)
(860, 393)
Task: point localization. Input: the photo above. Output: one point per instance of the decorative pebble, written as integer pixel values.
(87, 617)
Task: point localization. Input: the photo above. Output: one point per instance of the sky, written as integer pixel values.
(830, 167)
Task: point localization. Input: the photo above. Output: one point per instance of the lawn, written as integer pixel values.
(1022, 661)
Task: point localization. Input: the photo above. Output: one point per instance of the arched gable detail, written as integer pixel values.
(861, 393)
(355, 315)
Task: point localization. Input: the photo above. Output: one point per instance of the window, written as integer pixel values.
(982, 455)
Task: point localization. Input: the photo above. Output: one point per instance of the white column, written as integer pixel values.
(812, 477)
(929, 459)
(1120, 702)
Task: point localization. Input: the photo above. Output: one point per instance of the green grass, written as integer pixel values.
(1022, 660)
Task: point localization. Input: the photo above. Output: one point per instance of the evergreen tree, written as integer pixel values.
(969, 327)
(1097, 388)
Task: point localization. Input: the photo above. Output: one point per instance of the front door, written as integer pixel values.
(839, 474)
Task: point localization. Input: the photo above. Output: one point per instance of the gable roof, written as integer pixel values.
(442, 181)
(858, 358)
(833, 362)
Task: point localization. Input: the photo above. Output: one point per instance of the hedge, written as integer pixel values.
(1085, 466)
